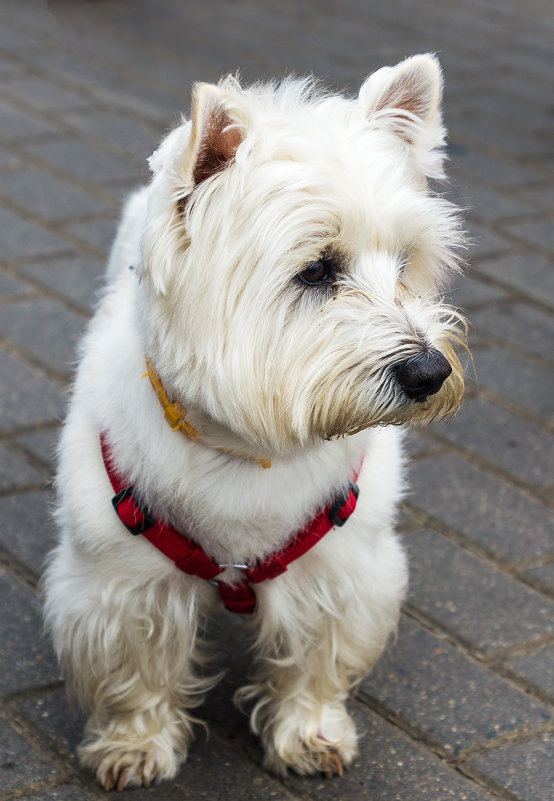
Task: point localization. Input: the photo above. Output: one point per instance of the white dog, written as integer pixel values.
(283, 298)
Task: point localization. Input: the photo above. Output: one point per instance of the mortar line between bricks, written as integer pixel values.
(28, 693)
(220, 735)
(512, 569)
(515, 408)
(94, 102)
(88, 186)
(450, 760)
(417, 737)
(19, 569)
(68, 773)
(491, 660)
(494, 340)
(113, 64)
(470, 178)
(64, 127)
(18, 431)
(21, 489)
(493, 470)
(508, 738)
(488, 784)
(17, 262)
(514, 239)
(75, 241)
(43, 289)
(32, 789)
(62, 379)
(498, 283)
(91, 94)
(28, 455)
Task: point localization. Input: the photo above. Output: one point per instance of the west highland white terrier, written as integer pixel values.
(272, 312)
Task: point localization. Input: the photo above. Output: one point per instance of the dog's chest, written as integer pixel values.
(240, 513)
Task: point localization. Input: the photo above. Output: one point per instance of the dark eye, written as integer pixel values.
(316, 273)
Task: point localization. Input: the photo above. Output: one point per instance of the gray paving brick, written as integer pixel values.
(468, 291)
(44, 328)
(60, 721)
(86, 162)
(27, 398)
(486, 168)
(543, 195)
(49, 197)
(17, 125)
(524, 270)
(9, 286)
(79, 278)
(536, 667)
(15, 471)
(389, 767)
(525, 770)
(453, 701)
(132, 135)
(492, 514)
(9, 162)
(482, 606)
(520, 324)
(484, 243)
(28, 529)
(26, 658)
(22, 238)
(503, 439)
(98, 233)
(20, 765)
(45, 95)
(538, 232)
(65, 793)
(488, 205)
(42, 443)
(517, 379)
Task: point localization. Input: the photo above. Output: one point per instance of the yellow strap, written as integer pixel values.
(176, 415)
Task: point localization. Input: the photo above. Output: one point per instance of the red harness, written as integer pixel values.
(191, 559)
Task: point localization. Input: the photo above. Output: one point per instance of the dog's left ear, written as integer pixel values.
(406, 98)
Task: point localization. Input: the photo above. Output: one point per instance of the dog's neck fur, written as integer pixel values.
(180, 419)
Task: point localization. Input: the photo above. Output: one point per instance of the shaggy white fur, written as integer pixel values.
(263, 186)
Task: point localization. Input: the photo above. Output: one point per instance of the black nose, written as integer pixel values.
(422, 375)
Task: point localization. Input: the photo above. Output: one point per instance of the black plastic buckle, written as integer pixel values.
(148, 521)
(339, 502)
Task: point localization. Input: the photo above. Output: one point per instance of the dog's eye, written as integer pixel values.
(316, 273)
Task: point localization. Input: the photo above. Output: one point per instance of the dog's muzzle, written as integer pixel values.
(423, 375)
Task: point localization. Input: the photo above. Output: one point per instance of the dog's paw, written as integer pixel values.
(310, 746)
(126, 766)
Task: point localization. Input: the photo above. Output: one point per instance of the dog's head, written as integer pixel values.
(294, 256)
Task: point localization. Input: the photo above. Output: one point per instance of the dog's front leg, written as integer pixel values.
(127, 646)
(321, 627)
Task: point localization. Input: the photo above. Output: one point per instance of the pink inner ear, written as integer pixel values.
(409, 94)
(218, 146)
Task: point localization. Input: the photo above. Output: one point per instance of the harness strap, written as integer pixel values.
(238, 597)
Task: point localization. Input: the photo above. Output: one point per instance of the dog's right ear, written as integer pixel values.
(217, 132)
(204, 146)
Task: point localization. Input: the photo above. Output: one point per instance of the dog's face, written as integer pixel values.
(293, 257)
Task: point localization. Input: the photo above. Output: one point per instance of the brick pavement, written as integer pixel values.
(461, 705)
